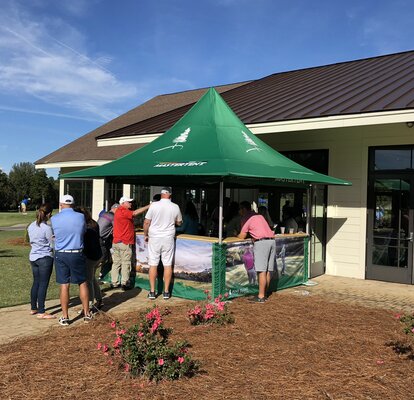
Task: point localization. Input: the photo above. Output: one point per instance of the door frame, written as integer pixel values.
(384, 272)
(319, 267)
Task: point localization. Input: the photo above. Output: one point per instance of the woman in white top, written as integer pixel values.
(41, 260)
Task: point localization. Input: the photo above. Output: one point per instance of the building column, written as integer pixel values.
(98, 197)
(61, 187)
(126, 190)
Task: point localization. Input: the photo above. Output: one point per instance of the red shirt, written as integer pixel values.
(123, 226)
(258, 228)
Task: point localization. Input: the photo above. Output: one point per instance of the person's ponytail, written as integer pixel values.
(42, 213)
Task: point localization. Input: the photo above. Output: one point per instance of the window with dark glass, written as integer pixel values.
(114, 192)
(141, 194)
(392, 158)
(81, 190)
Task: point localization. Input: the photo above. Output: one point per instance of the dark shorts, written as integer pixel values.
(70, 268)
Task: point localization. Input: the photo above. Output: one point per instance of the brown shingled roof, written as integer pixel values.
(85, 148)
(383, 83)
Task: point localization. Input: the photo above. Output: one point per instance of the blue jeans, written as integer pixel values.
(42, 269)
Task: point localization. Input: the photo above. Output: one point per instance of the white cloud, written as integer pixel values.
(380, 29)
(48, 59)
(163, 86)
(77, 7)
(47, 113)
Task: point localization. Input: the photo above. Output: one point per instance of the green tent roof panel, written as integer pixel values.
(208, 144)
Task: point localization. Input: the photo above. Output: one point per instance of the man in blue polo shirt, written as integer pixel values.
(69, 228)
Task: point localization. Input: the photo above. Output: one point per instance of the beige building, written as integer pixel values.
(351, 120)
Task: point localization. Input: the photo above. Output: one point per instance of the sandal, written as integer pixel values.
(33, 312)
(46, 316)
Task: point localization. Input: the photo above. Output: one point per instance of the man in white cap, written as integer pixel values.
(69, 228)
(159, 231)
(123, 241)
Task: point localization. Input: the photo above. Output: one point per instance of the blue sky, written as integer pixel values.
(67, 67)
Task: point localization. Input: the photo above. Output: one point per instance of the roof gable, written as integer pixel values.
(383, 83)
(85, 148)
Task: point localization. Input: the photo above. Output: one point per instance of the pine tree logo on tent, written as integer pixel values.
(250, 142)
(182, 138)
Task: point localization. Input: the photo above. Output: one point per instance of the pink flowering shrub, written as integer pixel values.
(407, 320)
(216, 312)
(144, 350)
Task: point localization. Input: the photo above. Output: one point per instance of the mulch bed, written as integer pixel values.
(288, 348)
(18, 242)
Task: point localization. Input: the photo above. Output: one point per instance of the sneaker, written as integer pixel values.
(125, 287)
(99, 304)
(87, 318)
(151, 295)
(257, 299)
(166, 295)
(64, 321)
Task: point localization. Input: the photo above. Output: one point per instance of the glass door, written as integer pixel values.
(390, 228)
(317, 231)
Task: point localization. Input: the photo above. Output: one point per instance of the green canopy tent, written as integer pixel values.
(209, 145)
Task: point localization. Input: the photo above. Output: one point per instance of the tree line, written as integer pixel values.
(24, 180)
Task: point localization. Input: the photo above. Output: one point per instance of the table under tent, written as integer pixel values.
(210, 147)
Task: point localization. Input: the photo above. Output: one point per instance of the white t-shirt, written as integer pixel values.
(163, 215)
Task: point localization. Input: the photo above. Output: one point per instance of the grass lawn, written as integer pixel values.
(16, 274)
(13, 217)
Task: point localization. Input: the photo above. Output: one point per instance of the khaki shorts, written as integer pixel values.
(161, 248)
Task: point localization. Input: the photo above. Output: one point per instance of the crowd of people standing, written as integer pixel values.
(78, 246)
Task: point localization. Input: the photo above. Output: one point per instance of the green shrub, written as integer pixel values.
(216, 312)
(144, 349)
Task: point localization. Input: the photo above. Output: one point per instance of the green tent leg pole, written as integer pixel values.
(219, 269)
(306, 259)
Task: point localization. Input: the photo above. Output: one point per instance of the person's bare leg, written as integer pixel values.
(167, 277)
(84, 297)
(64, 299)
(152, 277)
(261, 277)
(268, 279)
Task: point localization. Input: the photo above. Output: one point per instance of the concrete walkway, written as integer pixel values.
(18, 227)
(15, 322)
(374, 294)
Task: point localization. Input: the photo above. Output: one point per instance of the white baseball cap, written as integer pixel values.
(123, 199)
(66, 199)
(166, 190)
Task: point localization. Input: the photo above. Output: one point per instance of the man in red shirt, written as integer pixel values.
(264, 247)
(124, 239)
